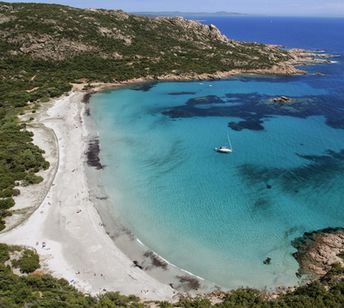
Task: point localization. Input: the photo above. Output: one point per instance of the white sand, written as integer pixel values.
(66, 229)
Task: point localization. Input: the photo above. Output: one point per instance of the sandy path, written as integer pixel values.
(66, 229)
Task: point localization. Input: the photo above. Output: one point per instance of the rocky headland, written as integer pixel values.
(318, 251)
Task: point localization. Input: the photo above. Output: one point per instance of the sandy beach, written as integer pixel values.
(65, 227)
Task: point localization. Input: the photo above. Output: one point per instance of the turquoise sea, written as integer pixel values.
(220, 216)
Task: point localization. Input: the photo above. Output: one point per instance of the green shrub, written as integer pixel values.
(6, 203)
(28, 262)
(4, 253)
(341, 255)
(243, 298)
(32, 179)
(337, 269)
(165, 304)
(195, 303)
(6, 193)
(115, 299)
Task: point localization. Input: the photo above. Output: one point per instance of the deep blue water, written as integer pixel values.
(315, 33)
(220, 216)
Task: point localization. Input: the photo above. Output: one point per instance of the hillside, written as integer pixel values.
(123, 46)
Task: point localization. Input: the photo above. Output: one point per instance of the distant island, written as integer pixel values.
(190, 14)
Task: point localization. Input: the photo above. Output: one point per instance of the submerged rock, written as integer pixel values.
(252, 124)
(282, 99)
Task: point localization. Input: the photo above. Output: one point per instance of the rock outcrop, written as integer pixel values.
(318, 251)
(282, 99)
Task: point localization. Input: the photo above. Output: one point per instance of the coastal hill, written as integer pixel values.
(116, 45)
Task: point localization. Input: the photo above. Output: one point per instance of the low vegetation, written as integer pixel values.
(28, 262)
(341, 255)
(35, 289)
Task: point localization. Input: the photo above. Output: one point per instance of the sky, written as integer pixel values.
(257, 7)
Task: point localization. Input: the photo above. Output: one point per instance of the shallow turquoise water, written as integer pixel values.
(213, 214)
(219, 216)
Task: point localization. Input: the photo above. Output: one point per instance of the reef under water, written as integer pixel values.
(254, 108)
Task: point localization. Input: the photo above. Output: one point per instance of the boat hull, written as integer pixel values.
(223, 151)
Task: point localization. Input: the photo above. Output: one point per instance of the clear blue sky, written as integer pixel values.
(265, 7)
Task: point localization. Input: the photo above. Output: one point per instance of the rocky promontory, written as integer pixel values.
(318, 251)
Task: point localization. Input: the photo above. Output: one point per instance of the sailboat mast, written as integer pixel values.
(229, 140)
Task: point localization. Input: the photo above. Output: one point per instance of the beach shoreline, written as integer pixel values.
(142, 257)
(66, 230)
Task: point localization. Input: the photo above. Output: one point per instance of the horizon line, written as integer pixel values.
(191, 13)
(230, 14)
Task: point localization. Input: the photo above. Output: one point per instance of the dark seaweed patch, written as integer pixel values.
(86, 98)
(292, 231)
(269, 79)
(182, 93)
(145, 87)
(262, 204)
(189, 283)
(155, 261)
(263, 208)
(335, 122)
(205, 100)
(92, 154)
(253, 109)
(316, 173)
(252, 124)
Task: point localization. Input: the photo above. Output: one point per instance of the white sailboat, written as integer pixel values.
(225, 149)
